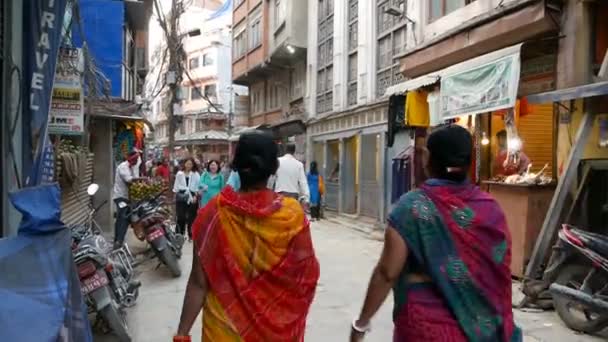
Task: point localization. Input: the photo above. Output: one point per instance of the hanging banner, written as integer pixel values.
(67, 103)
(486, 88)
(42, 26)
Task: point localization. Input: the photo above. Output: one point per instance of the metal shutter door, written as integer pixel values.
(75, 201)
(536, 130)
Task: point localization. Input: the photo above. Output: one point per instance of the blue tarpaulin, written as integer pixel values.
(39, 287)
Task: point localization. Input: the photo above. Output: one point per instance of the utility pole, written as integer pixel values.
(174, 74)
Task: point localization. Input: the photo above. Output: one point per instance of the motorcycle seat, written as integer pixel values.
(594, 241)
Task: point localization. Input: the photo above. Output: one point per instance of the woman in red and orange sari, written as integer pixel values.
(254, 270)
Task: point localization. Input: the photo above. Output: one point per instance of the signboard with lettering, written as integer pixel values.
(485, 88)
(42, 26)
(67, 103)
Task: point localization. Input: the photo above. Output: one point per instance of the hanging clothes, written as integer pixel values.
(417, 109)
(434, 108)
(396, 116)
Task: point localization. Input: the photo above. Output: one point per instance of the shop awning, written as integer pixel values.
(413, 84)
(288, 128)
(124, 118)
(584, 91)
(481, 71)
(236, 134)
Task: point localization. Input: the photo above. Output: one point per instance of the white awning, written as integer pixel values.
(436, 76)
(412, 84)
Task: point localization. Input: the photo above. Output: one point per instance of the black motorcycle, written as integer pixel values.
(106, 275)
(578, 271)
(152, 221)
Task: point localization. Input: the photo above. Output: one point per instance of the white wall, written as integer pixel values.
(419, 12)
(366, 54)
(340, 54)
(311, 58)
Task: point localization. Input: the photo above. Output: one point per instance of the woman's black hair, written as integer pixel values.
(194, 165)
(211, 162)
(255, 159)
(450, 149)
(314, 168)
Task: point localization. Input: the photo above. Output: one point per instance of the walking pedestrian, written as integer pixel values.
(211, 182)
(225, 169)
(234, 180)
(186, 202)
(162, 170)
(291, 177)
(317, 189)
(254, 271)
(447, 255)
(125, 175)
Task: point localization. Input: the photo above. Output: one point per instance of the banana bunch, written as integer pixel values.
(145, 189)
(67, 146)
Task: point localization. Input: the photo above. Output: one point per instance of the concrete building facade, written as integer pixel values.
(354, 60)
(208, 110)
(269, 57)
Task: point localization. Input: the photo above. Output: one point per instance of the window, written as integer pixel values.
(188, 125)
(195, 93)
(255, 28)
(440, 8)
(166, 100)
(280, 13)
(352, 67)
(275, 95)
(298, 81)
(193, 63)
(210, 90)
(257, 100)
(391, 32)
(325, 53)
(207, 60)
(182, 127)
(240, 43)
(255, 33)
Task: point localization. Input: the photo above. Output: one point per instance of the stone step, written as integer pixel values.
(365, 225)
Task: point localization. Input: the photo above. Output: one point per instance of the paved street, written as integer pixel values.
(347, 258)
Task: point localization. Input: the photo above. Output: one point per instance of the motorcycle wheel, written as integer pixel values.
(167, 257)
(575, 315)
(117, 322)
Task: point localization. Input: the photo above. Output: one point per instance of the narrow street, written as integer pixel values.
(347, 258)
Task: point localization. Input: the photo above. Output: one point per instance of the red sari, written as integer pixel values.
(257, 254)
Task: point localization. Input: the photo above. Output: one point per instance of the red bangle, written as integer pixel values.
(182, 339)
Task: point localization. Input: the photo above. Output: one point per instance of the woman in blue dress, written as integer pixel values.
(317, 189)
(211, 182)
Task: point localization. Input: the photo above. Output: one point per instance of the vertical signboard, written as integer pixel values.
(42, 25)
(67, 114)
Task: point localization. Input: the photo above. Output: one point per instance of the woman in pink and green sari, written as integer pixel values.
(446, 257)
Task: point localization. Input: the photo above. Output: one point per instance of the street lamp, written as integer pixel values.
(398, 12)
(191, 33)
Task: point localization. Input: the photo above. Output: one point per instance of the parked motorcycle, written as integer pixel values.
(106, 275)
(151, 222)
(578, 271)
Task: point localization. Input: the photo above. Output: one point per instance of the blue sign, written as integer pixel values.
(43, 26)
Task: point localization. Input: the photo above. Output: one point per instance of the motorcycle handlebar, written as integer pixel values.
(101, 205)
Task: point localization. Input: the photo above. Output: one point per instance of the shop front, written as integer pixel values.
(514, 140)
(349, 149)
(113, 134)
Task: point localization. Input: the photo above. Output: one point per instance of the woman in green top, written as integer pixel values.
(211, 182)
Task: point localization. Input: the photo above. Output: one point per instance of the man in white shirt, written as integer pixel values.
(125, 175)
(291, 178)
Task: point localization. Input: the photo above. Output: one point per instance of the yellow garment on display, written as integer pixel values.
(417, 109)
